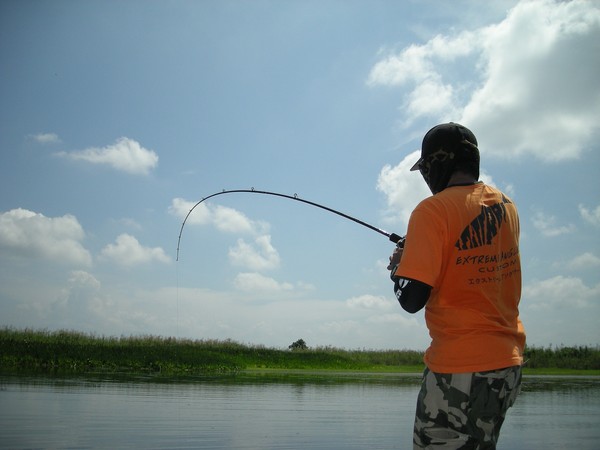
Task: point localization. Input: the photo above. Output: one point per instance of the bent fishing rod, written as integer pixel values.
(396, 239)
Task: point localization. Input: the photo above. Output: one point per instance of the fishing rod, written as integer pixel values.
(396, 239)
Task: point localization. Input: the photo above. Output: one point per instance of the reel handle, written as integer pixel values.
(396, 239)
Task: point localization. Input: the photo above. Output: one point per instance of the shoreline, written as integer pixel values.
(265, 375)
(71, 353)
(549, 373)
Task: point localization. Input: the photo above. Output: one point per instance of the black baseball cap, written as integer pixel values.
(448, 136)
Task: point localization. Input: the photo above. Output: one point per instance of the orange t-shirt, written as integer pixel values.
(464, 243)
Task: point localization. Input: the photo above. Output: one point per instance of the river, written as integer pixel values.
(270, 412)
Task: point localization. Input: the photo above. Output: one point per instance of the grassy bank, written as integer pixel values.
(71, 352)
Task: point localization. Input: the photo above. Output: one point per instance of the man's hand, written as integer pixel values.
(395, 258)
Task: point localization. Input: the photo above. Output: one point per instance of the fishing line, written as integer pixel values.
(396, 239)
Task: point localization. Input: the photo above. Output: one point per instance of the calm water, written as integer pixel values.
(262, 412)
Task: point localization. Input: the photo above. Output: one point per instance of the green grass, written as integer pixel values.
(573, 358)
(71, 352)
(74, 352)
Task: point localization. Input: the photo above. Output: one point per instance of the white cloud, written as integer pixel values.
(130, 223)
(180, 208)
(261, 255)
(64, 307)
(403, 189)
(83, 278)
(125, 154)
(127, 251)
(590, 216)
(223, 218)
(80, 287)
(25, 233)
(560, 292)
(584, 261)
(536, 89)
(258, 256)
(233, 221)
(318, 321)
(418, 66)
(418, 63)
(439, 99)
(46, 138)
(546, 225)
(486, 178)
(541, 59)
(396, 319)
(509, 189)
(255, 282)
(370, 302)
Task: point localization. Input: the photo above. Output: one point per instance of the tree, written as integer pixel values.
(298, 345)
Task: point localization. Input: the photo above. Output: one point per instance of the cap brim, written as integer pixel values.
(416, 165)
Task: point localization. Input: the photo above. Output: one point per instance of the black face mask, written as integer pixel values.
(437, 168)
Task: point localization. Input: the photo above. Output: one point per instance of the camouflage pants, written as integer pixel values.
(464, 410)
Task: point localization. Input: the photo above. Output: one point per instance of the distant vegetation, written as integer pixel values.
(73, 352)
(578, 358)
(300, 344)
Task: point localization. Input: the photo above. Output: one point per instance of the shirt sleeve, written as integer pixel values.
(424, 246)
(412, 295)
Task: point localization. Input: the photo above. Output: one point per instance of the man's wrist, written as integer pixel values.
(393, 275)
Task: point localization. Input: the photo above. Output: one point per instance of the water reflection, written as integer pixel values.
(268, 411)
(556, 413)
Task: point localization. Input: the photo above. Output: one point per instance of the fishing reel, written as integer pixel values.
(398, 240)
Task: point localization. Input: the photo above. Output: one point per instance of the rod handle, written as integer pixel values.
(396, 239)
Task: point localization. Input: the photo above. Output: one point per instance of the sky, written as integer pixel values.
(116, 117)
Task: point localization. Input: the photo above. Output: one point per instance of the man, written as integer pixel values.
(461, 262)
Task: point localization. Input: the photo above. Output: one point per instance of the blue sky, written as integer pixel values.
(117, 117)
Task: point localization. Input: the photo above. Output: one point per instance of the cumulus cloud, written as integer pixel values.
(546, 225)
(80, 287)
(584, 261)
(127, 251)
(395, 319)
(25, 233)
(368, 301)
(223, 218)
(418, 66)
(591, 216)
(534, 73)
(255, 282)
(560, 292)
(258, 256)
(83, 278)
(46, 138)
(130, 223)
(403, 189)
(125, 154)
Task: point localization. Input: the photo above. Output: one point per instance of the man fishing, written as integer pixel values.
(461, 262)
